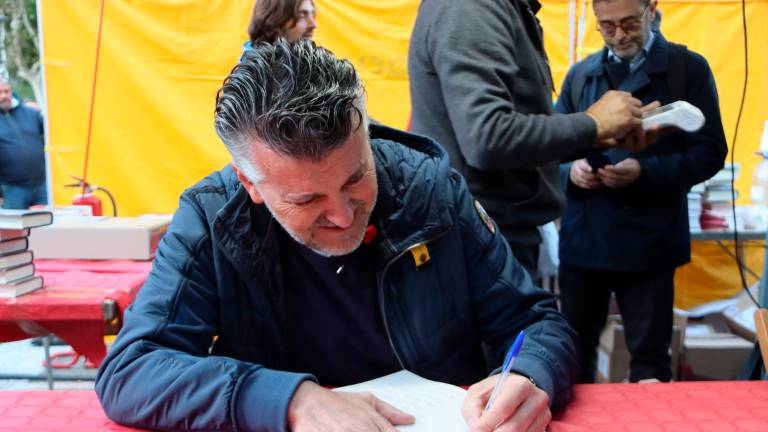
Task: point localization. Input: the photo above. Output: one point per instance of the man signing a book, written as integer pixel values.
(329, 252)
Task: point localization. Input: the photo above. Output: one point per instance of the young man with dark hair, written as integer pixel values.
(330, 252)
(290, 19)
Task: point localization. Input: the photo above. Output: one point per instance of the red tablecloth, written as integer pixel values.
(70, 305)
(717, 406)
(53, 410)
(711, 406)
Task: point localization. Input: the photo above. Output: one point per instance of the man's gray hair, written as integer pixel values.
(294, 97)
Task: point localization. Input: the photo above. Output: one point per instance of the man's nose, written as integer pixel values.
(341, 212)
(618, 35)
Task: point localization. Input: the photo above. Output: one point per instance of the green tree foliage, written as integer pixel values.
(20, 43)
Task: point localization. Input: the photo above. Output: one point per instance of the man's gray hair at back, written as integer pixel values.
(296, 98)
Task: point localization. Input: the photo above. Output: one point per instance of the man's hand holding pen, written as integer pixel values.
(507, 401)
(520, 406)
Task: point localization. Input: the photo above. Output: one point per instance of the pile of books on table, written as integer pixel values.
(17, 271)
(717, 200)
(695, 206)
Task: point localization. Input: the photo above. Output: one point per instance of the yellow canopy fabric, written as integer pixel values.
(160, 66)
(713, 273)
(163, 60)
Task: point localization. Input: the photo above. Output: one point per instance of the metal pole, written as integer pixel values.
(44, 104)
(762, 297)
(48, 365)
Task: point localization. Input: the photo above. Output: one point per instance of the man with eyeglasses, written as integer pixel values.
(625, 226)
(481, 86)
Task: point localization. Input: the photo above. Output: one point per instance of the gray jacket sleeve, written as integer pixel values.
(486, 86)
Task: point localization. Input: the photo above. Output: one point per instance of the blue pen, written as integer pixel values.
(508, 361)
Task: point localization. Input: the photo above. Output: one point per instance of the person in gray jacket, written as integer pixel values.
(481, 86)
(330, 252)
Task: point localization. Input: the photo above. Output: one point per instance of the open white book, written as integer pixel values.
(436, 405)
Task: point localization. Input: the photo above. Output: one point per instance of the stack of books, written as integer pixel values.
(695, 206)
(17, 271)
(717, 200)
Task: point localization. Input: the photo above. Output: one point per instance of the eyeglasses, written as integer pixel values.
(628, 25)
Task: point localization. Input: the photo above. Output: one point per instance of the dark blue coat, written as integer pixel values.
(22, 147)
(644, 225)
(217, 274)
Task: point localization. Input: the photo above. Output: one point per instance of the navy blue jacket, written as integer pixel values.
(202, 346)
(642, 226)
(22, 145)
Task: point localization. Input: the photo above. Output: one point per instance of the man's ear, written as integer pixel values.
(248, 185)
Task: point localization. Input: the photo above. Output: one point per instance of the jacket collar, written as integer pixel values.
(640, 56)
(412, 203)
(246, 233)
(534, 5)
(14, 104)
(656, 61)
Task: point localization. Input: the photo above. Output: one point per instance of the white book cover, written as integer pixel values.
(21, 287)
(20, 219)
(13, 246)
(10, 234)
(436, 405)
(14, 274)
(15, 259)
(99, 238)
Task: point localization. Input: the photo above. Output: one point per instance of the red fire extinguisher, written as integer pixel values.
(89, 199)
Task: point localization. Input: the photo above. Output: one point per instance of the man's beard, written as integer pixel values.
(349, 242)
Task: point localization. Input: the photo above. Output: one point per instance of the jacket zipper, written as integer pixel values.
(382, 307)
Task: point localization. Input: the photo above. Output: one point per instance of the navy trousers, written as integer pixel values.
(22, 197)
(645, 301)
(527, 256)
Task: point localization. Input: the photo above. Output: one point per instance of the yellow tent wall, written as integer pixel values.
(163, 60)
